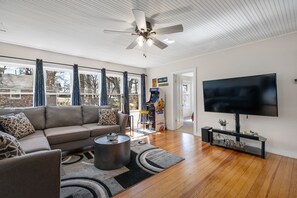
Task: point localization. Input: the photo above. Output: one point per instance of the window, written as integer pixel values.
(89, 88)
(114, 90)
(58, 87)
(16, 85)
(134, 93)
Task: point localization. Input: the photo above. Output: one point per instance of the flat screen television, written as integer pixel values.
(250, 95)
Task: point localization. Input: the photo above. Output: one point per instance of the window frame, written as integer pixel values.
(121, 87)
(87, 72)
(10, 93)
(52, 68)
(139, 92)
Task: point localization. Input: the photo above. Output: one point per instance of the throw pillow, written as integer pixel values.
(17, 125)
(107, 117)
(9, 146)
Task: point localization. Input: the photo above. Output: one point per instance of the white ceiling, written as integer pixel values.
(76, 27)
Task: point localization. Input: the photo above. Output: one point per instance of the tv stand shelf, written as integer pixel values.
(246, 149)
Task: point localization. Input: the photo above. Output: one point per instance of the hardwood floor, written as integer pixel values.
(210, 171)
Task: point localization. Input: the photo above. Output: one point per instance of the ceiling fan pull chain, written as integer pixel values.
(144, 50)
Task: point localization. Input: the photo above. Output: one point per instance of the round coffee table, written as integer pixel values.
(112, 154)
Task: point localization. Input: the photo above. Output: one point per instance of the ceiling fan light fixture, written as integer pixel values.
(140, 41)
(149, 42)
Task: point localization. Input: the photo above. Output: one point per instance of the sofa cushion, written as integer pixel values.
(35, 142)
(17, 125)
(97, 130)
(9, 146)
(63, 116)
(90, 113)
(61, 135)
(36, 115)
(108, 116)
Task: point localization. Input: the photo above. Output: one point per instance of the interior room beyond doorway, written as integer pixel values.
(185, 102)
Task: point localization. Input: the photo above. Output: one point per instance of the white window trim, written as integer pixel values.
(98, 73)
(46, 68)
(139, 91)
(22, 65)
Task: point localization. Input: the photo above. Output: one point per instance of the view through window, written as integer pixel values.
(16, 85)
(114, 87)
(58, 87)
(89, 88)
(134, 93)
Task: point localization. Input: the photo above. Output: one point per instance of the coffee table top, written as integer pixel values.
(103, 139)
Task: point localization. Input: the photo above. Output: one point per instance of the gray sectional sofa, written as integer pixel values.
(37, 174)
(65, 128)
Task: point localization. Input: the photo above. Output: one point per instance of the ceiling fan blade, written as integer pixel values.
(170, 29)
(118, 32)
(159, 43)
(140, 19)
(132, 45)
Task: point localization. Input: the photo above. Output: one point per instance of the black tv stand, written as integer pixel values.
(246, 149)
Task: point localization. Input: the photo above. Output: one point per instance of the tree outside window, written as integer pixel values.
(16, 86)
(113, 84)
(89, 89)
(58, 88)
(134, 93)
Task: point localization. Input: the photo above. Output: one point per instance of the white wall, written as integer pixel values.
(277, 55)
(31, 53)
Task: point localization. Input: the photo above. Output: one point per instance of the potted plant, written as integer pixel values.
(223, 124)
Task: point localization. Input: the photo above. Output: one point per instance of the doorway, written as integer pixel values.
(185, 102)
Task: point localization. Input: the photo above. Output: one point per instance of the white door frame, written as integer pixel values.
(194, 93)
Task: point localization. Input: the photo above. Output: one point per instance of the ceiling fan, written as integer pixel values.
(145, 32)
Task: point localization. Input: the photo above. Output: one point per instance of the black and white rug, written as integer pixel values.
(80, 178)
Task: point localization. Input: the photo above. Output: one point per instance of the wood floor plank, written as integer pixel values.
(284, 188)
(293, 188)
(210, 171)
(230, 177)
(278, 179)
(262, 183)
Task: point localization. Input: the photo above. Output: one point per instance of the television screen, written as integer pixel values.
(251, 95)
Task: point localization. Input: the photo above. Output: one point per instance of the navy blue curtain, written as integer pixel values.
(75, 88)
(143, 92)
(103, 99)
(39, 94)
(126, 109)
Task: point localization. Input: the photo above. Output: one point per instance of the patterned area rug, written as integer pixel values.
(80, 178)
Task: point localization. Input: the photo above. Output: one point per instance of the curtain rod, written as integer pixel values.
(69, 65)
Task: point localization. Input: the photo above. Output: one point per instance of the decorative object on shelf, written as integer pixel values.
(223, 124)
(251, 133)
(219, 137)
(112, 137)
(238, 145)
(234, 144)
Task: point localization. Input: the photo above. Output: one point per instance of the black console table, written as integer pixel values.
(246, 148)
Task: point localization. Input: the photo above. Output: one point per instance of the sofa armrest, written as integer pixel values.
(31, 175)
(123, 120)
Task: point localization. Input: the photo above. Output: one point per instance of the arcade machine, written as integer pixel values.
(153, 117)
